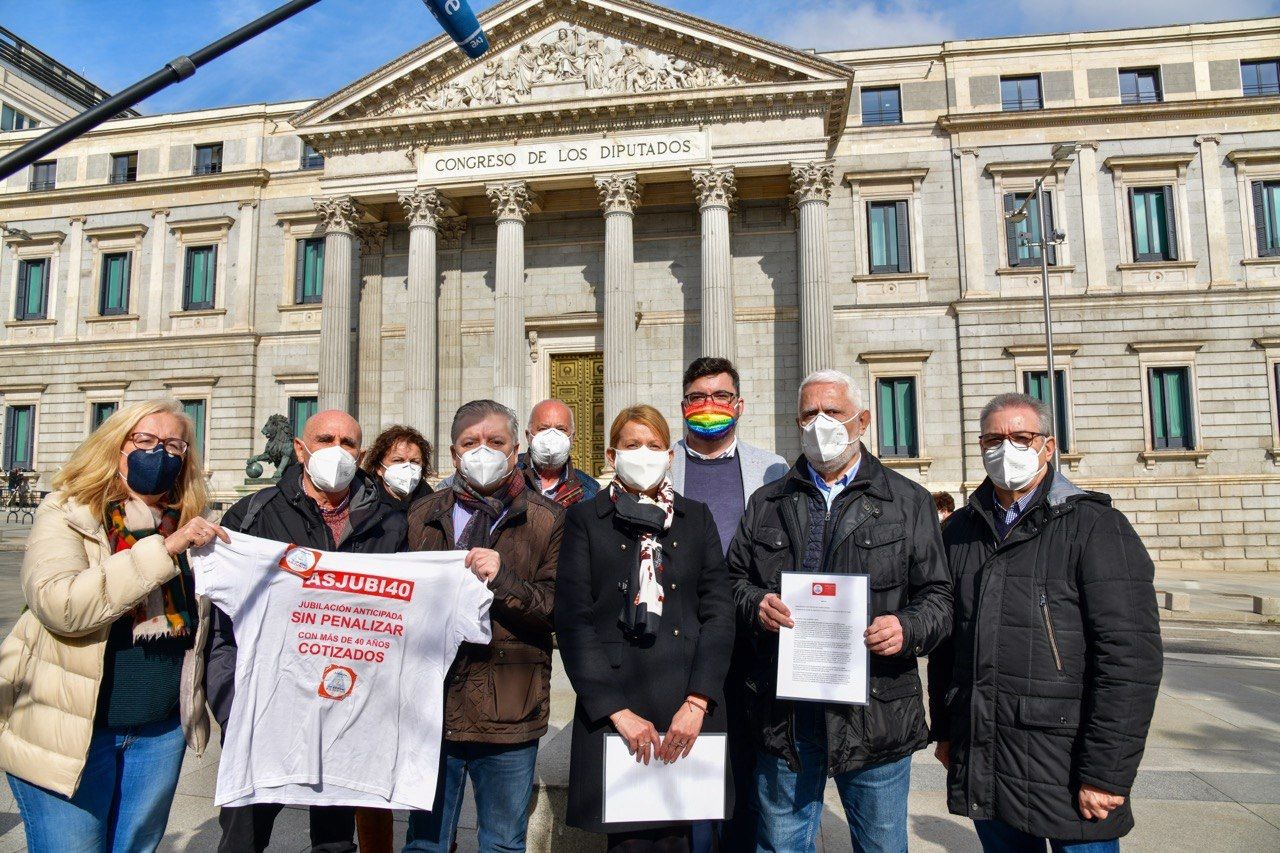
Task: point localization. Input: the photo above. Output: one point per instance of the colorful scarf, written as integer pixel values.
(647, 518)
(710, 419)
(485, 509)
(165, 611)
(567, 493)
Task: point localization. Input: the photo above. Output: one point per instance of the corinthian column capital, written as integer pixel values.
(449, 231)
(340, 213)
(714, 186)
(511, 201)
(372, 236)
(425, 207)
(812, 181)
(619, 193)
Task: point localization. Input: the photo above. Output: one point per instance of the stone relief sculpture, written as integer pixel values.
(565, 55)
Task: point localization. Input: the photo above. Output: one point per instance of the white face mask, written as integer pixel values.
(402, 477)
(641, 468)
(550, 448)
(331, 468)
(1010, 467)
(825, 440)
(483, 466)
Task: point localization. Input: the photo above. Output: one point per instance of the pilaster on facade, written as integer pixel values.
(972, 250)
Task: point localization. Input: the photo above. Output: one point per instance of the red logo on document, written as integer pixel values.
(300, 561)
(828, 589)
(337, 682)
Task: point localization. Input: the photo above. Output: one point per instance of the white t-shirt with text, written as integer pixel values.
(340, 669)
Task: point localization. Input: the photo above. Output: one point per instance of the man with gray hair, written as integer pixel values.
(497, 697)
(1042, 697)
(840, 511)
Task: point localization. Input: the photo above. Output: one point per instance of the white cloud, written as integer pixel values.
(845, 24)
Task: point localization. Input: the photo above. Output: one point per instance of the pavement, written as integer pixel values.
(1210, 778)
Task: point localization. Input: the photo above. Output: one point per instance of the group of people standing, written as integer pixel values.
(661, 591)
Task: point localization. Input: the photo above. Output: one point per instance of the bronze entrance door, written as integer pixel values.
(577, 378)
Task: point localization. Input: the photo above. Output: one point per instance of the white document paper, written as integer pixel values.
(690, 789)
(824, 658)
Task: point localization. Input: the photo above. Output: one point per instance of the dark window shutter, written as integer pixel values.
(1170, 226)
(9, 433)
(904, 238)
(299, 277)
(1011, 228)
(1048, 229)
(211, 277)
(187, 271)
(1257, 188)
(1133, 224)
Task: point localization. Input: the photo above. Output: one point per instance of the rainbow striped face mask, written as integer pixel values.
(710, 419)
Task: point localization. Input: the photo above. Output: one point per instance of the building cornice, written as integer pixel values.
(1254, 156)
(887, 176)
(1110, 113)
(240, 179)
(1177, 160)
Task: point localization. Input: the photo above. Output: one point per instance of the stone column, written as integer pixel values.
(1215, 225)
(1095, 257)
(75, 248)
(372, 237)
(714, 189)
(246, 265)
(424, 209)
(449, 246)
(340, 214)
(512, 203)
(811, 185)
(619, 195)
(974, 260)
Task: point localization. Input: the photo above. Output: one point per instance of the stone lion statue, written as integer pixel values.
(279, 452)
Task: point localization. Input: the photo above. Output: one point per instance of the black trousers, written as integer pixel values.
(739, 831)
(248, 828)
(667, 840)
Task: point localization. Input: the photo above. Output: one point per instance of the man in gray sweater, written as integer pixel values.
(713, 467)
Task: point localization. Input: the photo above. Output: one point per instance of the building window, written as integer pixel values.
(882, 105)
(124, 168)
(1023, 238)
(1035, 383)
(33, 290)
(1266, 217)
(1155, 236)
(208, 159)
(1260, 77)
(44, 175)
(888, 237)
(300, 410)
(1020, 93)
(311, 158)
(1171, 415)
(99, 412)
(1140, 86)
(19, 438)
(13, 119)
(197, 411)
(199, 278)
(309, 278)
(114, 296)
(896, 428)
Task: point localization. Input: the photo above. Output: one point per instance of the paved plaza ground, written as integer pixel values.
(1210, 780)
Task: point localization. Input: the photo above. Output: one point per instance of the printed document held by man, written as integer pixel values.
(340, 673)
(824, 657)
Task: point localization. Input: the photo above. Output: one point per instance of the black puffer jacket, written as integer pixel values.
(1050, 679)
(882, 525)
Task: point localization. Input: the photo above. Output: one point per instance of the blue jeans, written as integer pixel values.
(874, 798)
(503, 778)
(998, 837)
(123, 800)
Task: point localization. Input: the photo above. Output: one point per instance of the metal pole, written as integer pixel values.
(1048, 319)
(179, 69)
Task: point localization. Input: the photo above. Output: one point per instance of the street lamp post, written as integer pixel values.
(1061, 151)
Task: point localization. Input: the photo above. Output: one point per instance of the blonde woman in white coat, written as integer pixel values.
(100, 681)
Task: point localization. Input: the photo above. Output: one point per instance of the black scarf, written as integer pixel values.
(645, 521)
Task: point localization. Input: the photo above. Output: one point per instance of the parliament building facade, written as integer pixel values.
(618, 188)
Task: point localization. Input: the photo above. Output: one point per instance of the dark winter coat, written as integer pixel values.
(285, 513)
(882, 525)
(1051, 677)
(609, 672)
(501, 692)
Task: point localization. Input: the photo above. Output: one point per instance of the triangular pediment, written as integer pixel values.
(549, 51)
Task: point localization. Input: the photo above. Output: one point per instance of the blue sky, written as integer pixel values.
(116, 42)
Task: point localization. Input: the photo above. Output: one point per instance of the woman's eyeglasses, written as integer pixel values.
(147, 441)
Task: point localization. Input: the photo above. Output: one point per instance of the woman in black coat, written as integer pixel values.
(645, 624)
